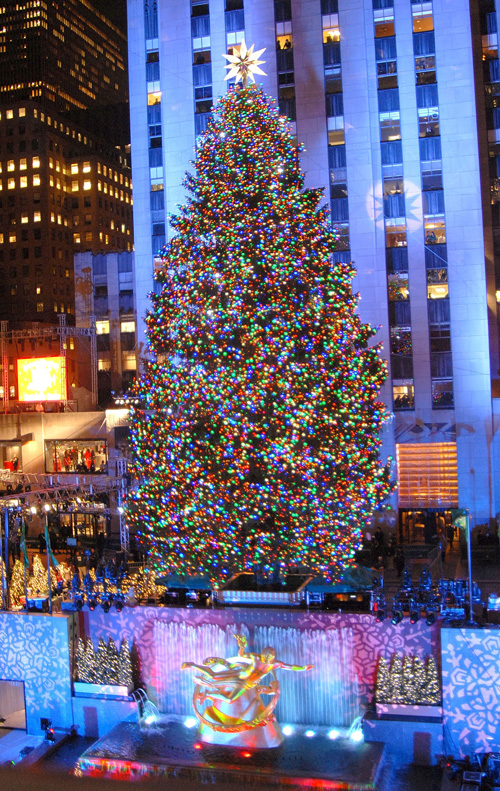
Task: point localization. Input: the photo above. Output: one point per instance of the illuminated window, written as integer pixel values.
(39, 307)
(74, 186)
(127, 326)
(88, 236)
(12, 237)
(128, 362)
(9, 114)
(22, 112)
(24, 219)
(86, 167)
(99, 186)
(36, 180)
(2, 238)
(38, 288)
(51, 162)
(71, 342)
(76, 238)
(55, 307)
(102, 327)
(23, 164)
(87, 184)
(23, 181)
(98, 167)
(154, 98)
(427, 474)
(11, 165)
(74, 168)
(103, 364)
(37, 216)
(35, 162)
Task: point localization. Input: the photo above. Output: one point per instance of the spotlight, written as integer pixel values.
(430, 617)
(287, 730)
(333, 734)
(397, 612)
(92, 604)
(310, 734)
(106, 604)
(414, 612)
(119, 605)
(190, 722)
(150, 719)
(381, 613)
(79, 603)
(357, 735)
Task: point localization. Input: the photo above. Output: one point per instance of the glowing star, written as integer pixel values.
(244, 64)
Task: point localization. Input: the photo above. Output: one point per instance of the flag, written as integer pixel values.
(47, 541)
(459, 517)
(23, 545)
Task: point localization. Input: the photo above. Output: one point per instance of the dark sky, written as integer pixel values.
(116, 10)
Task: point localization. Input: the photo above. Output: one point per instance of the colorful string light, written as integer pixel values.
(257, 443)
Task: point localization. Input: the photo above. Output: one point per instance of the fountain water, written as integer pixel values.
(327, 695)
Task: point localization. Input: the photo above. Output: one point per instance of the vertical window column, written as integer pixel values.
(284, 58)
(436, 257)
(155, 152)
(398, 285)
(334, 102)
(202, 65)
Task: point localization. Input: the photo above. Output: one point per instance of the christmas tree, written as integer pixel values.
(111, 671)
(16, 588)
(39, 582)
(408, 692)
(396, 674)
(125, 666)
(91, 671)
(432, 690)
(383, 685)
(82, 670)
(258, 443)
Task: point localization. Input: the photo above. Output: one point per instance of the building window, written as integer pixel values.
(39, 307)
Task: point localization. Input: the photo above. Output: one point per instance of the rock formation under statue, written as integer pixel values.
(235, 713)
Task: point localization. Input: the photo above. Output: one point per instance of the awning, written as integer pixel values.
(184, 583)
(354, 579)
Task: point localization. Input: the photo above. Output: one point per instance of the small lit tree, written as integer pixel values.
(383, 685)
(125, 665)
(397, 679)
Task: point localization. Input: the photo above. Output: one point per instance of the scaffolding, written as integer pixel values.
(38, 332)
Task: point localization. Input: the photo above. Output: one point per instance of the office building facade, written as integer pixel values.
(388, 98)
(65, 180)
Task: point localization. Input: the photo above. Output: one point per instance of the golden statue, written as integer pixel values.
(236, 713)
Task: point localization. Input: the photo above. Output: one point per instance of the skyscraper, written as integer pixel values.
(387, 98)
(65, 174)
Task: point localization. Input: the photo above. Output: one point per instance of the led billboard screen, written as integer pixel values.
(40, 379)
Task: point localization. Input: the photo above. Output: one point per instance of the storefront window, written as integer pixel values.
(80, 456)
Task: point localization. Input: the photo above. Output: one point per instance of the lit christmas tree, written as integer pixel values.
(16, 588)
(91, 671)
(111, 670)
(82, 670)
(432, 690)
(396, 675)
(39, 582)
(258, 443)
(125, 666)
(383, 685)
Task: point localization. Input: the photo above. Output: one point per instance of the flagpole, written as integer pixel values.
(471, 621)
(25, 558)
(2, 564)
(6, 557)
(47, 550)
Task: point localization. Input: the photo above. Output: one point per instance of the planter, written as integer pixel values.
(389, 710)
(112, 691)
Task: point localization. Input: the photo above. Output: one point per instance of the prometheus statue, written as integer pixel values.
(232, 688)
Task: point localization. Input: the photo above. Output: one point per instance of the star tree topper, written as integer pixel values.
(244, 64)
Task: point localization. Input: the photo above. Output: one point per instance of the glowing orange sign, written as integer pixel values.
(40, 379)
